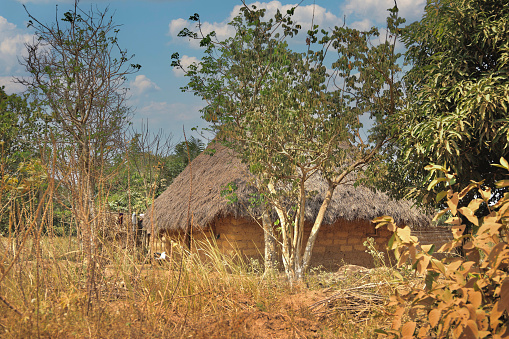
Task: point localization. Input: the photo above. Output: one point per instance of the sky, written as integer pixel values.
(149, 31)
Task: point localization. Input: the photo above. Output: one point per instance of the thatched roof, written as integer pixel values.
(211, 173)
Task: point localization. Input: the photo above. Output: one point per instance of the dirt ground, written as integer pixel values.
(293, 321)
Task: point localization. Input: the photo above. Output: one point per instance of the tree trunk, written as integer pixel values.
(316, 227)
(270, 243)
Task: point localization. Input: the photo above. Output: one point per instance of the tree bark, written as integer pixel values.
(270, 243)
(316, 227)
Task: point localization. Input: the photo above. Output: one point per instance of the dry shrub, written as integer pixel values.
(463, 297)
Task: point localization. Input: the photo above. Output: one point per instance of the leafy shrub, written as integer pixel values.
(463, 297)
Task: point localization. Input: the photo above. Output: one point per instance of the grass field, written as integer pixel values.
(58, 294)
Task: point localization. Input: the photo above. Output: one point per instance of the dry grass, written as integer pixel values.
(216, 296)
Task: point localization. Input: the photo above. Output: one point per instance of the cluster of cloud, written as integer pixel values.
(376, 10)
(185, 62)
(142, 85)
(360, 14)
(12, 47)
(304, 15)
(164, 114)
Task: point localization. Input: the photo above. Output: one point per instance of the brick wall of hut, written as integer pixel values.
(434, 235)
(337, 244)
(343, 243)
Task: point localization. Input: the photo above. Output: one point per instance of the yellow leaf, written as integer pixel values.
(422, 264)
(504, 295)
(495, 314)
(427, 248)
(504, 163)
(502, 183)
(467, 189)
(467, 212)
(438, 265)
(457, 231)
(396, 320)
(454, 221)
(408, 329)
(474, 204)
(454, 265)
(485, 193)
(385, 218)
(470, 330)
(452, 202)
(475, 298)
(490, 227)
(403, 258)
(435, 167)
(423, 331)
(439, 214)
(440, 196)
(434, 182)
(434, 317)
(404, 234)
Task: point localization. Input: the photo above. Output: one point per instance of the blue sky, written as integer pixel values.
(149, 30)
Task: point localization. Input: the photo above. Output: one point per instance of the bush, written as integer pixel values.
(463, 297)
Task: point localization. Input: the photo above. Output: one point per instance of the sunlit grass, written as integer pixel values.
(133, 296)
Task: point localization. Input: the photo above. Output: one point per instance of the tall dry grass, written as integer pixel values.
(50, 286)
(134, 296)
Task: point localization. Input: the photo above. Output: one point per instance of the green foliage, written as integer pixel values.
(464, 297)
(459, 88)
(22, 144)
(287, 116)
(182, 152)
(378, 256)
(21, 130)
(146, 170)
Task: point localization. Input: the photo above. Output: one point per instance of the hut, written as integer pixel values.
(234, 226)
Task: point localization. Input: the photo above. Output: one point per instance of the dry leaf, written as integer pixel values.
(434, 317)
(408, 329)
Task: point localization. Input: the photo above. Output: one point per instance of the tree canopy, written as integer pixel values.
(289, 116)
(459, 86)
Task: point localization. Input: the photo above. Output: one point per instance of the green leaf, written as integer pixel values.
(440, 196)
(435, 182)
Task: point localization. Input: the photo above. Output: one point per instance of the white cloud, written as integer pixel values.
(304, 15)
(12, 46)
(185, 61)
(167, 115)
(142, 85)
(11, 86)
(377, 9)
(223, 31)
(362, 14)
(177, 25)
(362, 25)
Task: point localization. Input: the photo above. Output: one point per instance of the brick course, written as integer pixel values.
(337, 244)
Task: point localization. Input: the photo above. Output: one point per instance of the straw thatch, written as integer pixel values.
(211, 174)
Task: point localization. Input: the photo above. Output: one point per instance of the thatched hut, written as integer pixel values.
(233, 226)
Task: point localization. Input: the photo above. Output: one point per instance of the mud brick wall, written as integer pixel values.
(337, 244)
(343, 243)
(241, 235)
(438, 236)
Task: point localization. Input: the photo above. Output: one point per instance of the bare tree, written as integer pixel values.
(77, 73)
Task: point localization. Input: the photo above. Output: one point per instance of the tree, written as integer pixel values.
(149, 165)
(22, 143)
(459, 87)
(20, 129)
(77, 71)
(288, 118)
(179, 160)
